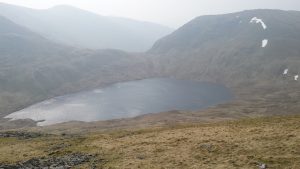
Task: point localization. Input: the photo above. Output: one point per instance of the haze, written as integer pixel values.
(172, 13)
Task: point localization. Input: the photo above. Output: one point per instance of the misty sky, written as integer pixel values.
(172, 13)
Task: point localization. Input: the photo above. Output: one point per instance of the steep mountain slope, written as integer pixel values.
(248, 47)
(76, 27)
(32, 68)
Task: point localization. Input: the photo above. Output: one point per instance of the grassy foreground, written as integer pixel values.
(274, 141)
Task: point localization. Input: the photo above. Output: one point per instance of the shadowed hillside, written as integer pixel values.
(245, 48)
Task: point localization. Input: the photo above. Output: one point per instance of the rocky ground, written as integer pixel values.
(20, 134)
(252, 143)
(64, 162)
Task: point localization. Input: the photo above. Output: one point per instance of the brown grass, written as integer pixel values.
(246, 143)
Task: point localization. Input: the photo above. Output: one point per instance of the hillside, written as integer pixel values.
(33, 68)
(255, 53)
(273, 141)
(79, 28)
(245, 48)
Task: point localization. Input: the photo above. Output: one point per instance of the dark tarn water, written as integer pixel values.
(124, 100)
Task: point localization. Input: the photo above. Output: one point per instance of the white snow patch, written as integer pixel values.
(98, 91)
(286, 71)
(296, 77)
(47, 102)
(264, 43)
(257, 20)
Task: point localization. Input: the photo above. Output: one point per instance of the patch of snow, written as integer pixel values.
(237, 16)
(98, 91)
(296, 77)
(257, 20)
(286, 71)
(47, 102)
(264, 43)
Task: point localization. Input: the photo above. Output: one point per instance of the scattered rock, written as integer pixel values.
(207, 147)
(141, 157)
(262, 166)
(64, 162)
(20, 134)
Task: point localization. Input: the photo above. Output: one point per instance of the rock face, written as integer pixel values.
(253, 46)
(64, 162)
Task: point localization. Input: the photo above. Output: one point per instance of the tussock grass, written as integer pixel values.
(244, 143)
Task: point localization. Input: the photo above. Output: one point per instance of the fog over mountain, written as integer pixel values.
(80, 88)
(246, 48)
(167, 12)
(32, 68)
(73, 26)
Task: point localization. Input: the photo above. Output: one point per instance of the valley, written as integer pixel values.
(243, 67)
(221, 91)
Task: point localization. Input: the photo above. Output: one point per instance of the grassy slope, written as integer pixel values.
(238, 144)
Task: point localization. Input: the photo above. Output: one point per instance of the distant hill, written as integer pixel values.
(248, 47)
(33, 68)
(80, 28)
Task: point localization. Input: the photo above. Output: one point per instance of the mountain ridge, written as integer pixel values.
(80, 28)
